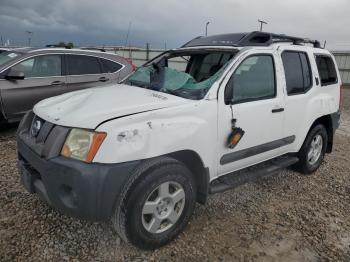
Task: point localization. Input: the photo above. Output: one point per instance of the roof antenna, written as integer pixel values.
(324, 44)
(125, 44)
(127, 37)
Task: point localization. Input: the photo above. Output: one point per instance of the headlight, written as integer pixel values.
(82, 144)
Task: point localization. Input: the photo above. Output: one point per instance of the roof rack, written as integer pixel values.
(255, 38)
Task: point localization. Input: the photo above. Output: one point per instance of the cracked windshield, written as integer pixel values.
(189, 75)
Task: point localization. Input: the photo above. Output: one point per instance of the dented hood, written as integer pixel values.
(88, 108)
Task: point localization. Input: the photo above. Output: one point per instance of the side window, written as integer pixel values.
(83, 65)
(297, 72)
(254, 79)
(326, 70)
(109, 66)
(40, 66)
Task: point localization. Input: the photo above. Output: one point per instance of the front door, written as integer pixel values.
(253, 107)
(43, 79)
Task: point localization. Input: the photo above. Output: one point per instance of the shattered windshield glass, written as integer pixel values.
(189, 77)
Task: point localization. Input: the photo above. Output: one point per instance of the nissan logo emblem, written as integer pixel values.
(36, 126)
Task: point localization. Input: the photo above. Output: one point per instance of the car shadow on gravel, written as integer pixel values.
(8, 131)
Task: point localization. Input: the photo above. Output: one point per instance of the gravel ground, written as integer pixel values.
(287, 217)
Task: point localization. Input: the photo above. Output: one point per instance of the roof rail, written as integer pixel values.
(295, 40)
(255, 38)
(93, 49)
(58, 46)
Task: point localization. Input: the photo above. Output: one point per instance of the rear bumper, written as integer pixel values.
(78, 189)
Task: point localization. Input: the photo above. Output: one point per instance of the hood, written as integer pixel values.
(88, 108)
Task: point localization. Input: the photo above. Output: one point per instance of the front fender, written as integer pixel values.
(151, 134)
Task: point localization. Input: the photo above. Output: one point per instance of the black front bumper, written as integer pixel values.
(83, 190)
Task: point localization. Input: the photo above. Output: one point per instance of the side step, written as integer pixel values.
(250, 174)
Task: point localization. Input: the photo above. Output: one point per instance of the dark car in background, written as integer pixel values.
(28, 76)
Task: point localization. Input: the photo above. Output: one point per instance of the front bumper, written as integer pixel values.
(83, 190)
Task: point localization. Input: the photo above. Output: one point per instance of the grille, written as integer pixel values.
(43, 137)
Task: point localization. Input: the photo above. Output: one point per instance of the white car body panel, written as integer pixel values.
(142, 123)
(89, 108)
(150, 134)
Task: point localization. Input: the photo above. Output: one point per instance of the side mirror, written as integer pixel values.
(14, 75)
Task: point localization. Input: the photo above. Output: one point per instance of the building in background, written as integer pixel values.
(343, 61)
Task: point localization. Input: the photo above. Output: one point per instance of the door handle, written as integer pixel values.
(103, 79)
(277, 110)
(57, 83)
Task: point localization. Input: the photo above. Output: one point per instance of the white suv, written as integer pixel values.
(209, 116)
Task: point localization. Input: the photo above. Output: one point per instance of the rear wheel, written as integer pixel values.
(157, 205)
(313, 150)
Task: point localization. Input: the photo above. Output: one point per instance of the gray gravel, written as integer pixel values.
(285, 217)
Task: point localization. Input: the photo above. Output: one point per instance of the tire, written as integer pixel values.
(136, 222)
(305, 165)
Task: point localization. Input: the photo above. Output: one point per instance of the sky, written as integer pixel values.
(169, 22)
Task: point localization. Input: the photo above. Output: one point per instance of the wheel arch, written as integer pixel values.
(194, 163)
(327, 122)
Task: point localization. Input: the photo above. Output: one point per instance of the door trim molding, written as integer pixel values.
(255, 150)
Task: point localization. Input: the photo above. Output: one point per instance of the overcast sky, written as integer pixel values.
(105, 22)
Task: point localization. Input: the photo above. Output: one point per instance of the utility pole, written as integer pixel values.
(29, 37)
(261, 24)
(206, 28)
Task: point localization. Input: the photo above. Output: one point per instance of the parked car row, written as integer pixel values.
(29, 75)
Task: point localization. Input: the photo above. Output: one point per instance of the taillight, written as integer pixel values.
(131, 63)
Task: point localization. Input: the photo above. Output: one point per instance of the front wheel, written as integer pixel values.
(157, 205)
(313, 150)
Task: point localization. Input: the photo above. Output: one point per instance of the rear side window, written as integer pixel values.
(326, 70)
(83, 65)
(297, 72)
(109, 66)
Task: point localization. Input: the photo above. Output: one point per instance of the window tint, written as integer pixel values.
(83, 65)
(109, 66)
(326, 70)
(254, 79)
(297, 72)
(40, 66)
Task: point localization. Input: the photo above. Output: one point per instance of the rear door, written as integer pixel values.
(299, 83)
(44, 78)
(84, 71)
